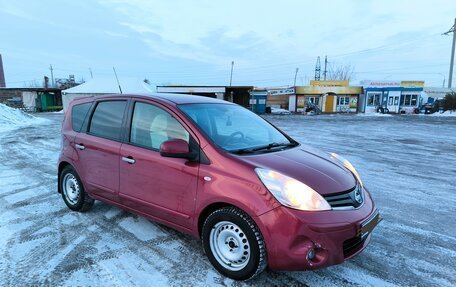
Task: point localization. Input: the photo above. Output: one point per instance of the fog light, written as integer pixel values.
(311, 254)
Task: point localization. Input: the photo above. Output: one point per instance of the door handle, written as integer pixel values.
(129, 159)
(80, 146)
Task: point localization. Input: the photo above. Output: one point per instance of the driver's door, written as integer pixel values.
(161, 187)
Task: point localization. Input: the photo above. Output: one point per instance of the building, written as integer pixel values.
(391, 96)
(32, 99)
(105, 86)
(327, 96)
(258, 100)
(235, 94)
(280, 98)
(431, 94)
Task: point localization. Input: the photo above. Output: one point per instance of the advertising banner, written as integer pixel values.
(331, 83)
(353, 102)
(412, 84)
(319, 90)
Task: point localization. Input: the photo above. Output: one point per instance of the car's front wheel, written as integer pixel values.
(234, 244)
(73, 192)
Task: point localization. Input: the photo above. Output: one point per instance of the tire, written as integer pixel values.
(73, 192)
(380, 110)
(386, 111)
(234, 244)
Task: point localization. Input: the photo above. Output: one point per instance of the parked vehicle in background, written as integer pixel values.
(409, 110)
(279, 111)
(218, 172)
(382, 110)
(430, 108)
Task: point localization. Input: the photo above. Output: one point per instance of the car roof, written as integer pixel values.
(164, 97)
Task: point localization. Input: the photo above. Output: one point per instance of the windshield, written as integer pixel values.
(234, 128)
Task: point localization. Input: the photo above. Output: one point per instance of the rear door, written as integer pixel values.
(161, 187)
(97, 150)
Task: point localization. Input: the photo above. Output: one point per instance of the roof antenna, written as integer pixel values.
(120, 89)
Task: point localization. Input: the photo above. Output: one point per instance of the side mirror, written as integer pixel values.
(176, 148)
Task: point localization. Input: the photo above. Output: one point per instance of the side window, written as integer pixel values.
(107, 119)
(151, 126)
(78, 114)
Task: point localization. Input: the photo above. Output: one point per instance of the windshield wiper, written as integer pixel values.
(264, 147)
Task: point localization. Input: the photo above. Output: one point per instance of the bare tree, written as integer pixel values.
(33, 84)
(342, 73)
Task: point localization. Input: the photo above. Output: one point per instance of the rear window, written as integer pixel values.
(78, 115)
(107, 119)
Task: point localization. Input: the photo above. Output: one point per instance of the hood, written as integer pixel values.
(308, 165)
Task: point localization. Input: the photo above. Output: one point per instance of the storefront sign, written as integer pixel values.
(412, 84)
(329, 83)
(380, 84)
(319, 90)
(278, 92)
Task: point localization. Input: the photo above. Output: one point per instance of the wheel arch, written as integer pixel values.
(208, 210)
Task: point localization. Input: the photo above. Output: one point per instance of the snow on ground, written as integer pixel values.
(444, 114)
(373, 115)
(13, 118)
(408, 164)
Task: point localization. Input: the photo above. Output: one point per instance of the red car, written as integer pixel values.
(218, 172)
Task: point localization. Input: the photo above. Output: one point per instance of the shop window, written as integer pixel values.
(409, 100)
(314, 100)
(373, 99)
(343, 101)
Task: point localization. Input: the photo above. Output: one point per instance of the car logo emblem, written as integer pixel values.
(358, 196)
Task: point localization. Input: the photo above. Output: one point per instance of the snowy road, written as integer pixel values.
(408, 163)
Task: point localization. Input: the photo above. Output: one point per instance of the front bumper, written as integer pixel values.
(334, 236)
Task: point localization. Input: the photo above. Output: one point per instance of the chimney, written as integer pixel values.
(46, 82)
(2, 74)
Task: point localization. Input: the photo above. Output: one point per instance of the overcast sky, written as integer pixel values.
(194, 42)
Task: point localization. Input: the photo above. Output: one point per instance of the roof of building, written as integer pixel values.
(108, 85)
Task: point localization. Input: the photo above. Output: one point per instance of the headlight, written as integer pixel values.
(347, 165)
(291, 192)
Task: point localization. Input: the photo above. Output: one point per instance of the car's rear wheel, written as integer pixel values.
(73, 192)
(234, 244)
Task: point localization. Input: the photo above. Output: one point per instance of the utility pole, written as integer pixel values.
(231, 74)
(452, 30)
(52, 75)
(91, 75)
(296, 74)
(326, 65)
(317, 69)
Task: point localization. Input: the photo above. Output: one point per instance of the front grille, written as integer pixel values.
(352, 245)
(349, 199)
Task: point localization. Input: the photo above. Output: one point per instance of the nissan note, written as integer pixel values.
(212, 169)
